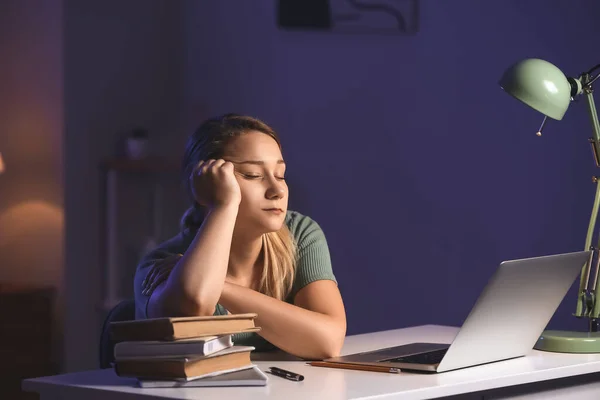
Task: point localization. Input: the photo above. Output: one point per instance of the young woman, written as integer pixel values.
(242, 251)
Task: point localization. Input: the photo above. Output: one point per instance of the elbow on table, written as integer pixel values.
(328, 349)
(172, 301)
(332, 345)
(200, 306)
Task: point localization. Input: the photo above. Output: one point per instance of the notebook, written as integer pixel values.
(174, 348)
(246, 376)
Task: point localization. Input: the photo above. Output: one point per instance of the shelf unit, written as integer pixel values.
(112, 169)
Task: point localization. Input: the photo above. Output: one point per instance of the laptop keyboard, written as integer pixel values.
(431, 357)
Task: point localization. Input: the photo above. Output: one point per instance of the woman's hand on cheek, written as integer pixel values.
(214, 184)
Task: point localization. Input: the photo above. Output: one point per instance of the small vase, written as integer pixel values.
(137, 148)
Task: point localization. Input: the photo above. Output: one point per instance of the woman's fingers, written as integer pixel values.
(155, 269)
(197, 168)
(217, 164)
(213, 183)
(227, 166)
(150, 275)
(165, 264)
(158, 279)
(208, 165)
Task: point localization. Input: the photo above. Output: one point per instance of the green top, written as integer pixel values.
(313, 264)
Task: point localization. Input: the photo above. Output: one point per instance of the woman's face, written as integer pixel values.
(260, 171)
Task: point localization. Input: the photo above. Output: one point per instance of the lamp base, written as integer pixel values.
(569, 342)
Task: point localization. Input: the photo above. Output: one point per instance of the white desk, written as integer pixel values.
(498, 380)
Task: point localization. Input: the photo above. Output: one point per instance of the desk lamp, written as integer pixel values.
(543, 87)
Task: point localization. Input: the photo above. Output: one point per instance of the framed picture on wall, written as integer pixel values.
(349, 16)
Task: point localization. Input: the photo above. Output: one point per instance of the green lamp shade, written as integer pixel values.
(540, 85)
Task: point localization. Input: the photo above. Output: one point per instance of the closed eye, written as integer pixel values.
(258, 176)
(251, 176)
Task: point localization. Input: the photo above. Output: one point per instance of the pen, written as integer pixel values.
(292, 376)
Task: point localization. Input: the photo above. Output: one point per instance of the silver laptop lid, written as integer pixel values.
(513, 309)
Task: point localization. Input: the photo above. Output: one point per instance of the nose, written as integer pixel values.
(276, 189)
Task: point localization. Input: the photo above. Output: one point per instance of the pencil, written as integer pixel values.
(360, 367)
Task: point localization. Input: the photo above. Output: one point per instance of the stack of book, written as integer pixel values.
(168, 351)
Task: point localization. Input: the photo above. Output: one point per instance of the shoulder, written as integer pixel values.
(303, 228)
(313, 258)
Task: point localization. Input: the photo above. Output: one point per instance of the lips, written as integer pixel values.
(274, 210)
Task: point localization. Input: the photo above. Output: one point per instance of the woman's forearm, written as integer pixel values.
(196, 282)
(298, 331)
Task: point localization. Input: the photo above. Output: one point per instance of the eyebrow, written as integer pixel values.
(255, 162)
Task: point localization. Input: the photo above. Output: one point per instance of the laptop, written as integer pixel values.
(506, 321)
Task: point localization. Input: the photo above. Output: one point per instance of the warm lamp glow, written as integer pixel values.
(31, 243)
(1, 164)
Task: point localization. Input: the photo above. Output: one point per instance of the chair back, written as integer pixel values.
(124, 311)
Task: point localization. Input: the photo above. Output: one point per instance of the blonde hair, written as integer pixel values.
(279, 263)
(278, 248)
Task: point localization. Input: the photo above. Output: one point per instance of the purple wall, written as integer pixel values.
(423, 174)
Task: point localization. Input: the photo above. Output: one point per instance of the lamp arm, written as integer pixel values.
(586, 301)
(583, 308)
(587, 88)
(595, 67)
(593, 79)
(589, 95)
